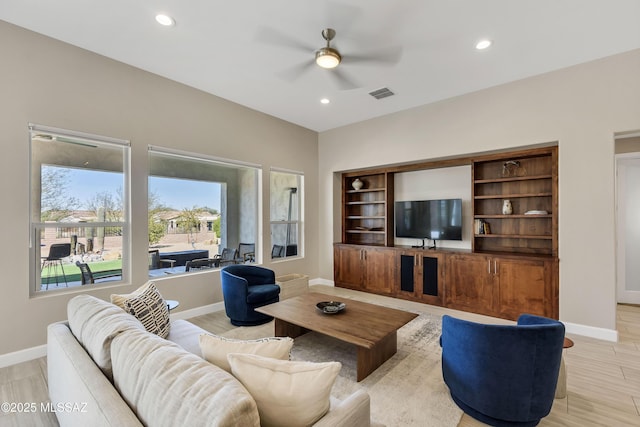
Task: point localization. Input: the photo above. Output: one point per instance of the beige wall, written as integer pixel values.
(50, 83)
(581, 107)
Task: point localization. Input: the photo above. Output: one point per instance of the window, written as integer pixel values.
(79, 209)
(286, 213)
(198, 207)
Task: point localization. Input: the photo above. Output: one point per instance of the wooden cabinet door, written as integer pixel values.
(430, 278)
(379, 270)
(523, 287)
(406, 274)
(470, 283)
(348, 269)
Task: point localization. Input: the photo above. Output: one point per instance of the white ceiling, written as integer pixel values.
(233, 49)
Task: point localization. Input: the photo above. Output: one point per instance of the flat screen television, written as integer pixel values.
(429, 219)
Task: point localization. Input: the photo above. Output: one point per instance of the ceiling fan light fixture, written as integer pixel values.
(328, 57)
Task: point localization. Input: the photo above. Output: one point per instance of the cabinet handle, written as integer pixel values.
(489, 266)
(495, 267)
(415, 261)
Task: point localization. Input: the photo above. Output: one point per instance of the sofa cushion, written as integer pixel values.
(215, 348)
(288, 393)
(186, 335)
(168, 386)
(148, 306)
(95, 323)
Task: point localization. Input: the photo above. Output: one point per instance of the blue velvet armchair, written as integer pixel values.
(502, 375)
(246, 287)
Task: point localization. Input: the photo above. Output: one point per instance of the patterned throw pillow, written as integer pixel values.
(148, 306)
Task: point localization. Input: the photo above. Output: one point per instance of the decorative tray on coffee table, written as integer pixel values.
(331, 307)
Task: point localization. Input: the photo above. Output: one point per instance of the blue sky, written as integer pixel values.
(176, 193)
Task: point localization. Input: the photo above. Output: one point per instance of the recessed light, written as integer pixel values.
(483, 44)
(325, 101)
(165, 20)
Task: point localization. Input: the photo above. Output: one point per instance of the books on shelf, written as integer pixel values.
(480, 226)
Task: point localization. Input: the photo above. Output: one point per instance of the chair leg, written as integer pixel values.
(48, 265)
(64, 276)
(54, 264)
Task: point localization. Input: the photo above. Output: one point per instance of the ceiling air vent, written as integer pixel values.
(381, 93)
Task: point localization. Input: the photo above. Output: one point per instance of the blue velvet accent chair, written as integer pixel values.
(502, 375)
(246, 287)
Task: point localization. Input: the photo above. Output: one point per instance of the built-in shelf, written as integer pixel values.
(512, 236)
(372, 202)
(500, 216)
(513, 178)
(529, 180)
(511, 269)
(513, 195)
(365, 190)
(367, 218)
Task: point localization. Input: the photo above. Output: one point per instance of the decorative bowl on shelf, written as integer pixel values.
(357, 184)
(536, 212)
(330, 307)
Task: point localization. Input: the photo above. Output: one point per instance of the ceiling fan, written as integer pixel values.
(328, 57)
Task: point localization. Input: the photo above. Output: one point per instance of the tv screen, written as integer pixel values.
(429, 219)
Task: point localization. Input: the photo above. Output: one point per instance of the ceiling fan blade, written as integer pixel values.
(384, 56)
(275, 37)
(342, 80)
(292, 73)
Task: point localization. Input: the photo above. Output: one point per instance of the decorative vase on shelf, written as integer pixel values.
(507, 208)
(357, 184)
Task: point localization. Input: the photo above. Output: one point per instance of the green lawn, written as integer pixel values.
(73, 272)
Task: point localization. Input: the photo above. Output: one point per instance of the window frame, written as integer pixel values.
(37, 226)
(224, 163)
(298, 222)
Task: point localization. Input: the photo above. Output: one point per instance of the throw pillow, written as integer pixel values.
(148, 306)
(215, 348)
(288, 393)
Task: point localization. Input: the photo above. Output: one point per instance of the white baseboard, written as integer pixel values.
(591, 331)
(198, 311)
(25, 355)
(319, 281)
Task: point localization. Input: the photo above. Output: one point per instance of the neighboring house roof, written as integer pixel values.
(175, 215)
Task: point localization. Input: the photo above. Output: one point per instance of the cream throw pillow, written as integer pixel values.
(148, 306)
(215, 348)
(288, 394)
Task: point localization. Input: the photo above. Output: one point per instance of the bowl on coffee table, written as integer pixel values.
(331, 307)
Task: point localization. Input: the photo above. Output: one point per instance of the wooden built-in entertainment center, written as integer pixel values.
(512, 266)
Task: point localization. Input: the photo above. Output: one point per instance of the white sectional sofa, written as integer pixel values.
(104, 365)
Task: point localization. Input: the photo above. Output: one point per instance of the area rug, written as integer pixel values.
(407, 390)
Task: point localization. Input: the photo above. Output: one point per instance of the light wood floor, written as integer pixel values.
(603, 378)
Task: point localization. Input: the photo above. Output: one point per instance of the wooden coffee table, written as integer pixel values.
(371, 328)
